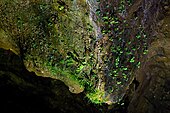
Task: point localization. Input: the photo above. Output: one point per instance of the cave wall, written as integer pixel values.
(152, 95)
(57, 39)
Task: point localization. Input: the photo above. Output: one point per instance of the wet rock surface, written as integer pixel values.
(144, 90)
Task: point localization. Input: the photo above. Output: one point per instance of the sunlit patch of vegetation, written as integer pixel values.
(96, 97)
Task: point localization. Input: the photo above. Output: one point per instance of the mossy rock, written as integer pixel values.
(47, 34)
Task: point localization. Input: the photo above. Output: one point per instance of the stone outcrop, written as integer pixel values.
(152, 95)
(100, 47)
(22, 91)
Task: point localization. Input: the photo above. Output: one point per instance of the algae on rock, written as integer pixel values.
(85, 46)
(50, 36)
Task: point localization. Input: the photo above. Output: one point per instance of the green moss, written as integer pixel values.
(96, 97)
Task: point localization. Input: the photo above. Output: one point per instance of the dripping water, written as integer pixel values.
(94, 5)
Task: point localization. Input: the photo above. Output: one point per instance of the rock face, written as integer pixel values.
(152, 94)
(49, 35)
(25, 92)
(92, 46)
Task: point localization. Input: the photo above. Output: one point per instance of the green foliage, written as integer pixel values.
(127, 42)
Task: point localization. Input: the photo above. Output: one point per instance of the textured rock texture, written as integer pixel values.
(152, 94)
(22, 91)
(95, 47)
(49, 35)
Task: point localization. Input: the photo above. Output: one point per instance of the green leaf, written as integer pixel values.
(81, 67)
(132, 60)
(118, 83)
(125, 68)
(145, 52)
(138, 36)
(106, 17)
